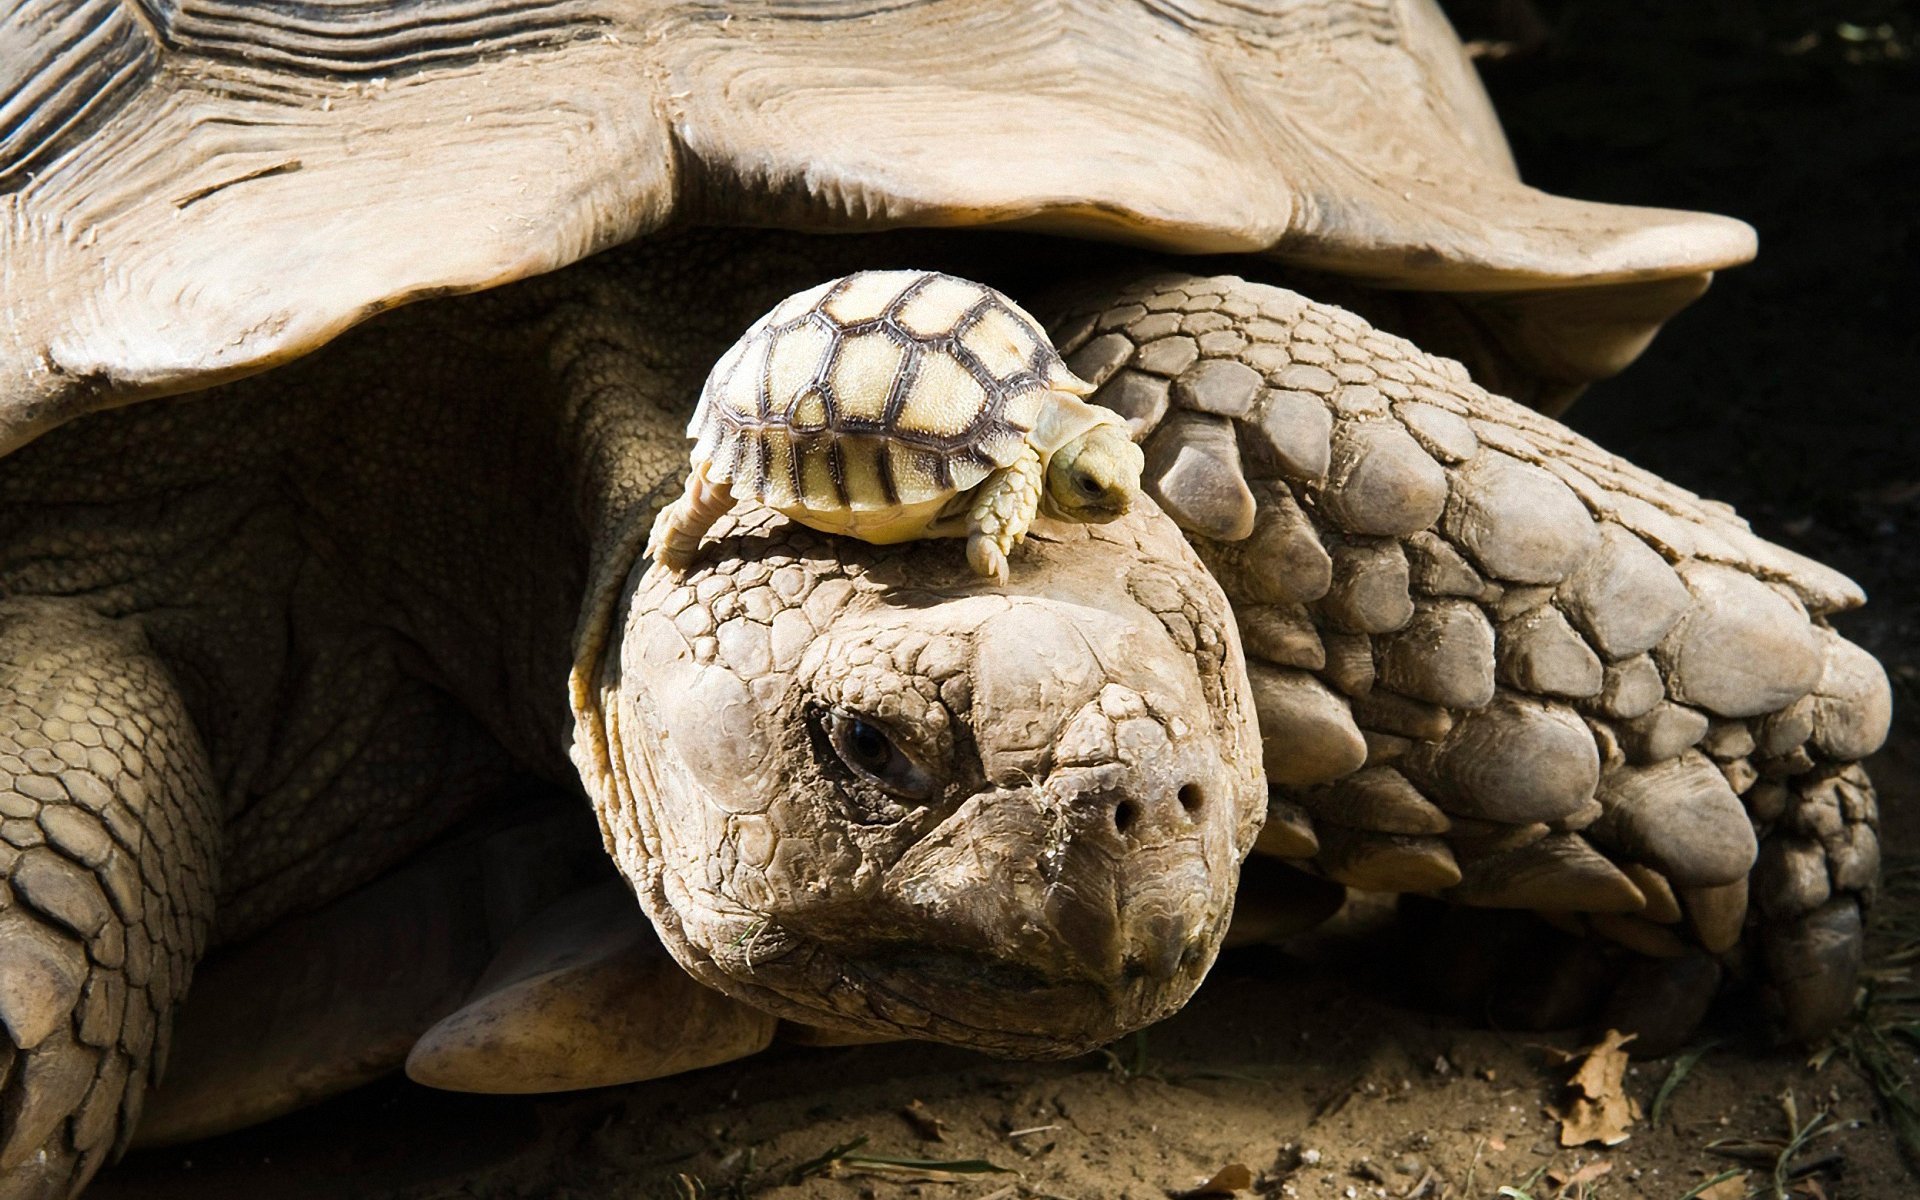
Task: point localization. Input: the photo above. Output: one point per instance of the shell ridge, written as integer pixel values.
(883, 467)
(794, 451)
(763, 387)
(763, 465)
(891, 312)
(979, 308)
(837, 471)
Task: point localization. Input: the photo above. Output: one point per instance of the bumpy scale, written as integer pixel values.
(1494, 661)
(894, 405)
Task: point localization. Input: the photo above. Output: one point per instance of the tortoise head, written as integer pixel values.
(1095, 476)
(856, 787)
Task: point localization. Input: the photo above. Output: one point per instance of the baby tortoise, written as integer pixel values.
(895, 405)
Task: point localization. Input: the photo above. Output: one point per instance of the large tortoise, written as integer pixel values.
(306, 667)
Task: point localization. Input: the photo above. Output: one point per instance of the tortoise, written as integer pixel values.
(310, 670)
(892, 405)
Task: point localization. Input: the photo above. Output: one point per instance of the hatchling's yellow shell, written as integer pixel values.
(878, 391)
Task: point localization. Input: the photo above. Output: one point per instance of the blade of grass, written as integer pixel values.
(1875, 1055)
(1678, 1073)
(820, 1164)
(1801, 1135)
(949, 1166)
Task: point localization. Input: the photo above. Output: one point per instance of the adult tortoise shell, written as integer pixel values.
(893, 405)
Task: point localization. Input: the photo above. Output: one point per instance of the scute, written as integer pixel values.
(917, 473)
(798, 304)
(1022, 411)
(740, 383)
(1002, 444)
(808, 412)
(780, 484)
(819, 488)
(796, 358)
(937, 309)
(864, 370)
(864, 464)
(865, 296)
(1004, 346)
(945, 399)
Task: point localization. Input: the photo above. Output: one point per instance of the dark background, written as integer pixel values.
(1789, 388)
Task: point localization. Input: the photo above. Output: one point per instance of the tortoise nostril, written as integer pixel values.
(1192, 799)
(1124, 814)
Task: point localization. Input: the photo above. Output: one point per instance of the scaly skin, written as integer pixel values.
(1090, 779)
(1002, 510)
(362, 582)
(357, 581)
(109, 839)
(1493, 660)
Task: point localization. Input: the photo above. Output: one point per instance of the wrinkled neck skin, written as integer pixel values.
(1082, 748)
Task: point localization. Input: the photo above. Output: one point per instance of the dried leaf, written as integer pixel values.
(1598, 1109)
(1228, 1180)
(929, 1127)
(1587, 1174)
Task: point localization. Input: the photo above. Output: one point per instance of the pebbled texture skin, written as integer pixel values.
(362, 669)
(109, 849)
(357, 585)
(1087, 739)
(1513, 669)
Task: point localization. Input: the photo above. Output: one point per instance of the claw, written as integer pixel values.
(986, 557)
(1194, 461)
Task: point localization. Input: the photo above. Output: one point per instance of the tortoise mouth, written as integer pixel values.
(1009, 1009)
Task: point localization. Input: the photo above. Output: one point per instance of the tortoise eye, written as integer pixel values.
(870, 753)
(866, 746)
(1089, 486)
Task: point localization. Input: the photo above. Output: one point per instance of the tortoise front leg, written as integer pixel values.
(1493, 661)
(109, 848)
(1001, 512)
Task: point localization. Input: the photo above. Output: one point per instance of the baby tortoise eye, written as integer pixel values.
(1089, 486)
(870, 753)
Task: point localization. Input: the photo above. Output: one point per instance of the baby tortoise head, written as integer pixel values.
(1094, 477)
(856, 788)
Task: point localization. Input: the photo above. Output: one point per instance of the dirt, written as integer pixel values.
(1785, 390)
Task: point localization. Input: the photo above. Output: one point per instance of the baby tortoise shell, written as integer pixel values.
(893, 405)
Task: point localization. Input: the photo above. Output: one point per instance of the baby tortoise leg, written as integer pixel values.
(108, 856)
(1002, 510)
(680, 526)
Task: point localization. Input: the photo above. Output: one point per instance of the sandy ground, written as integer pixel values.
(1786, 390)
